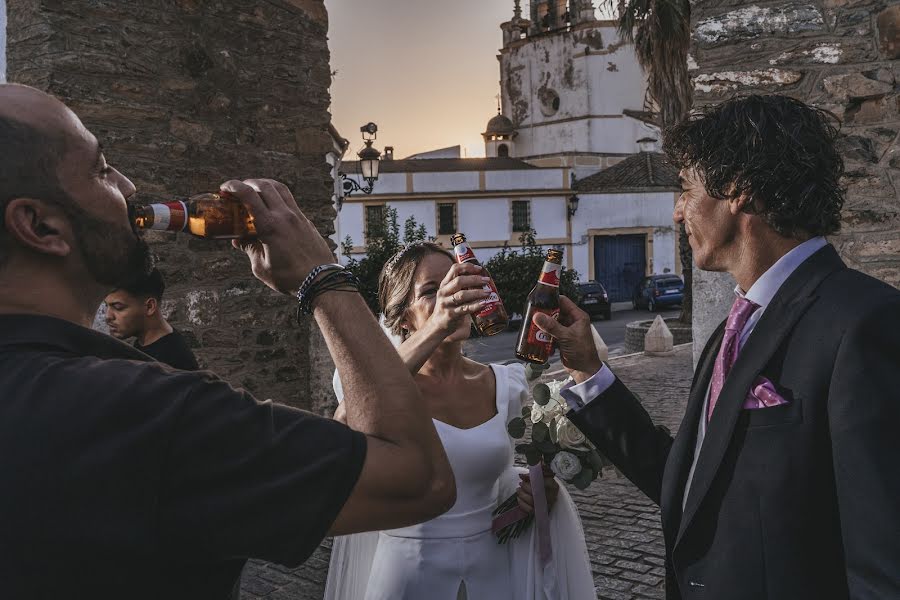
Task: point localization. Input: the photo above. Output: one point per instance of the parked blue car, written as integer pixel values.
(656, 291)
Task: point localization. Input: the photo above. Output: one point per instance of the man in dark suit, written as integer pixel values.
(782, 482)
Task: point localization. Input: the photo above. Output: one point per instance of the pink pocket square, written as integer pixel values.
(763, 395)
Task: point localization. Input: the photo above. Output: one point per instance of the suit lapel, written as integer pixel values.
(790, 302)
(682, 453)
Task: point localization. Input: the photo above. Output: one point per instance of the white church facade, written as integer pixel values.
(571, 155)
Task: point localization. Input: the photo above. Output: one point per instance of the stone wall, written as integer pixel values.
(841, 55)
(185, 94)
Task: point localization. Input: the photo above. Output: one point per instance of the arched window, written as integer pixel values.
(503, 151)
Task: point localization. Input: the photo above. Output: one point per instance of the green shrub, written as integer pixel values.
(516, 271)
(379, 249)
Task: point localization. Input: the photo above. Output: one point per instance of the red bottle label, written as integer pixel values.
(171, 216)
(463, 253)
(536, 336)
(550, 274)
(492, 302)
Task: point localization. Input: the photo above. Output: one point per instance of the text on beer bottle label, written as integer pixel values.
(535, 335)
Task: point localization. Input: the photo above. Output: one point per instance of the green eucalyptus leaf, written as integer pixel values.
(541, 394)
(553, 435)
(532, 373)
(595, 460)
(523, 448)
(547, 447)
(583, 479)
(516, 427)
(526, 412)
(532, 456)
(539, 432)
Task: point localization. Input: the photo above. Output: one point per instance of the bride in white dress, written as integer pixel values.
(426, 303)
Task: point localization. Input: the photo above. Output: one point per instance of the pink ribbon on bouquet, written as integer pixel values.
(541, 515)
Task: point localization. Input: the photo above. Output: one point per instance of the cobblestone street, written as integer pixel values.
(621, 525)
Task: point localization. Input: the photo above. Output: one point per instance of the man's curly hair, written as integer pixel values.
(776, 150)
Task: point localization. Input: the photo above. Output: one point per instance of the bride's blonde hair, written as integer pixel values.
(396, 282)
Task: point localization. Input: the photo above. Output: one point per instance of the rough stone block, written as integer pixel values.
(725, 82)
(754, 21)
(855, 86)
(889, 32)
(832, 52)
(658, 339)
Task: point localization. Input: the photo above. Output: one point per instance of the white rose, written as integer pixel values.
(555, 387)
(565, 465)
(551, 411)
(537, 413)
(568, 435)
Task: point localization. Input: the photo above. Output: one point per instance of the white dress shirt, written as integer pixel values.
(761, 292)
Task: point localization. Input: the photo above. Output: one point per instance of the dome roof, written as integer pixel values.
(500, 125)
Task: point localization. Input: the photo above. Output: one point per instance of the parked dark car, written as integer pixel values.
(656, 291)
(593, 299)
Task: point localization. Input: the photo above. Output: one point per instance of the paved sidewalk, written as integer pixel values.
(621, 525)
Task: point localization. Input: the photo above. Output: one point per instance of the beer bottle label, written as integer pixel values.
(492, 302)
(550, 274)
(536, 336)
(171, 216)
(464, 253)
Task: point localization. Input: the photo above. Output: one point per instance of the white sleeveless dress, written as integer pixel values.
(455, 555)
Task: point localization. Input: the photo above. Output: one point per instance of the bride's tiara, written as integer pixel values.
(392, 261)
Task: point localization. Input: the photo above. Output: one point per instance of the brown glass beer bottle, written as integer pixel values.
(493, 318)
(210, 216)
(534, 345)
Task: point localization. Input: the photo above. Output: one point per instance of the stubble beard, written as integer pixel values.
(113, 254)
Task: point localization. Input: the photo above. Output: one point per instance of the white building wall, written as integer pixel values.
(444, 182)
(484, 219)
(525, 179)
(423, 211)
(388, 183)
(351, 218)
(548, 217)
(623, 211)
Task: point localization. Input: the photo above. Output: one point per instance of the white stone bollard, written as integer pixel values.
(658, 339)
(602, 349)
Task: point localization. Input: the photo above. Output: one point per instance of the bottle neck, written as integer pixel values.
(550, 274)
(464, 253)
(168, 216)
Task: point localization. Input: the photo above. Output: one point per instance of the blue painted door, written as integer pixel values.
(620, 262)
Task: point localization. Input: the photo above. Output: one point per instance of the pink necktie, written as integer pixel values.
(737, 319)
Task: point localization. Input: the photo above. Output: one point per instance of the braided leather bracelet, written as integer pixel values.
(339, 279)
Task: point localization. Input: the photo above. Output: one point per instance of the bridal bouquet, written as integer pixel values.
(555, 441)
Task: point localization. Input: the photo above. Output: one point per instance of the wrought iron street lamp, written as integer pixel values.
(572, 205)
(369, 159)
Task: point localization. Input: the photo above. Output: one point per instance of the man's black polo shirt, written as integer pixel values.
(123, 478)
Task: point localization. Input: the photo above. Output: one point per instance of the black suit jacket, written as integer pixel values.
(791, 502)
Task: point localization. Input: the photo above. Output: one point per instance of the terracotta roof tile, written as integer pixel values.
(640, 171)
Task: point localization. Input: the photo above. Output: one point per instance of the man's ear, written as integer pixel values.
(741, 204)
(33, 224)
(151, 306)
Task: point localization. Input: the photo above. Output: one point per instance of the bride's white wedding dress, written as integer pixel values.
(455, 556)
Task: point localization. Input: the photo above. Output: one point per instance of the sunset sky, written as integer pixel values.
(424, 70)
